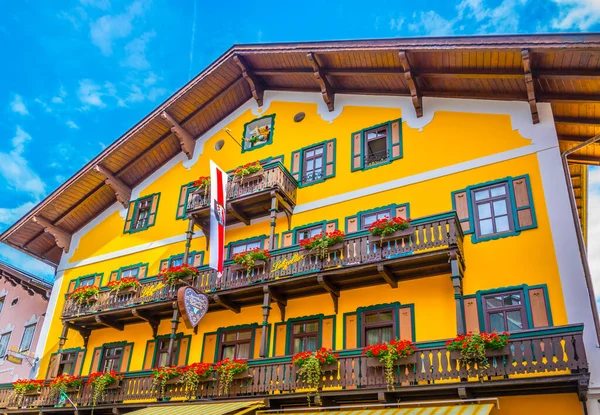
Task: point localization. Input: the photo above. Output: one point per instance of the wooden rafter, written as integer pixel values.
(61, 237)
(593, 122)
(238, 214)
(326, 90)
(122, 191)
(256, 86)
(415, 93)
(530, 86)
(387, 275)
(105, 321)
(333, 291)
(186, 141)
(579, 159)
(279, 299)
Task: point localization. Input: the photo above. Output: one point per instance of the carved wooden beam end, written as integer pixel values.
(186, 141)
(415, 93)
(256, 86)
(530, 86)
(61, 237)
(122, 191)
(326, 89)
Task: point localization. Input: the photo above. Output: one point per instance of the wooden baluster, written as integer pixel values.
(570, 350)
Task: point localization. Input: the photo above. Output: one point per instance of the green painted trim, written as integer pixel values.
(221, 330)
(189, 189)
(137, 202)
(359, 215)
(266, 143)
(301, 164)
(344, 326)
(262, 238)
(389, 146)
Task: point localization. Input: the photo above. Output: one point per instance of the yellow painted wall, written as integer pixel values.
(449, 139)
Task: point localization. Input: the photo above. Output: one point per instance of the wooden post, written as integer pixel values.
(63, 337)
(458, 292)
(174, 325)
(188, 241)
(266, 310)
(273, 210)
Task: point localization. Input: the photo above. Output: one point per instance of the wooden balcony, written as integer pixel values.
(248, 198)
(292, 273)
(540, 361)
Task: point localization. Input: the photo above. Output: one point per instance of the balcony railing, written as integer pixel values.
(555, 355)
(272, 176)
(430, 233)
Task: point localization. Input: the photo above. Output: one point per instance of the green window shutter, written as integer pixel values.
(461, 200)
(358, 160)
(296, 164)
(395, 139)
(153, 209)
(197, 259)
(539, 306)
(352, 224)
(330, 158)
(95, 365)
(287, 239)
(129, 219)
(78, 366)
(164, 265)
(524, 213)
(52, 371)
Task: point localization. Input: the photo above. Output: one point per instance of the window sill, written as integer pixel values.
(475, 239)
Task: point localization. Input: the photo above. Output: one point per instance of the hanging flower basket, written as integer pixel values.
(103, 381)
(387, 229)
(323, 244)
(228, 370)
(312, 367)
(85, 295)
(163, 376)
(66, 383)
(202, 185)
(388, 355)
(247, 171)
(179, 274)
(402, 361)
(473, 349)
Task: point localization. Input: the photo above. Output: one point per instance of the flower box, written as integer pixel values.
(32, 392)
(331, 367)
(336, 247)
(173, 381)
(393, 236)
(248, 177)
(72, 389)
(126, 291)
(92, 300)
(258, 263)
(505, 351)
(409, 360)
(114, 385)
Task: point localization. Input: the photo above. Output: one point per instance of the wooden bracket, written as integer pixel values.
(257, 88)
(530, 86)
(122, 191)
(85, 333)
(279, 299)
(415, 93)
(326, 89)
(282, 203)
(226, 303)
(109, 323)
(186, 141)
(242, 217)
(154, 323)
(62, 238)
(387, 275)
(333, 291)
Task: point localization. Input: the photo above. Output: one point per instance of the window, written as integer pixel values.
(308, 232)
(67, 363)
(367, 219)
(143, 213)
(378, 326)
(27, 338)
(86, 282)
(4, 344)
(130, 272)
(2, 303)
(376, 147)
(14, 302)
(305, 336)
(491, 206)
(245, 246)
(235, 344)
(312, 165)
(162, 353)
(505, 312)
(177, 261)
(111, 358)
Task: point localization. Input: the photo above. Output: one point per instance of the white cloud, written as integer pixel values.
(76, 17)
(27, 263)
(135, 52)
(59, 99)
(17, 105)
(8, 216)
(90, 94)
(99, 4)
(45, 106)
(15, 168)
(102, 145)
(432, 24)
(576, 14)
(396, 24)
(593, 235)
(71, 124)
(109, 28)
(59, 178)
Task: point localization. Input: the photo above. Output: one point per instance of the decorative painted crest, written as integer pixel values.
(193, 305)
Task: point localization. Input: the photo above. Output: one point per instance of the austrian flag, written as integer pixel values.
(218, 195)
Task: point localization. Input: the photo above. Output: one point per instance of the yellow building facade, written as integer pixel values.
(486, 251)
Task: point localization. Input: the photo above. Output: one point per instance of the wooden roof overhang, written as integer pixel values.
(562, 69)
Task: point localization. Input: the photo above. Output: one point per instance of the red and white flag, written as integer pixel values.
(218, 195)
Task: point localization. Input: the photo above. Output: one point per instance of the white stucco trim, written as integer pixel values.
(49, 318)
(571, 271)
(9, 329)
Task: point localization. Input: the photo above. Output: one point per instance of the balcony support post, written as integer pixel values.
(456, 278)
(266, 307)
(188, 240)
(63, 337)
(273, 210)
(174, 325)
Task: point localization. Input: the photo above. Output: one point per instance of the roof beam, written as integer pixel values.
(257, 88)
(186, 141)
(61, 237)
(575, 138)
(326, 90)
(122, 191)
(530, 86)
(415, 93)
(569, 98)
(593, 122)
(574, 75)
(577, 159)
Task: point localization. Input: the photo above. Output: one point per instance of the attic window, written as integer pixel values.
(14, 302)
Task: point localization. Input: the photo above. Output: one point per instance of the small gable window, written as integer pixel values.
(314, 164)
(142, 213)
(377, 145)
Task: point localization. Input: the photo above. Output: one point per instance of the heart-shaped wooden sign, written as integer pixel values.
(193, 305)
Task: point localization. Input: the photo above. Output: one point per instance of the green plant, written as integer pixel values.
(99, 381)
(84, 294)
(161, 375)
(203, 182)
(388, 353)
(472, 348)
(247, 169)
(22, 386)
(174, 275)
(193, 374)
(311, 369)
(321, 242)
(227, 369)
(63, 382)
(248, 258)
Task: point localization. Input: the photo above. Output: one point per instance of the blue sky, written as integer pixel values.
(79, 73)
